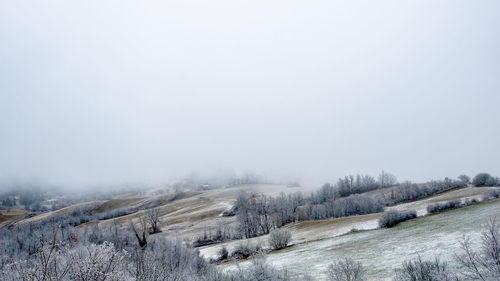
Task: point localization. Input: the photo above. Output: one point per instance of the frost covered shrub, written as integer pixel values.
(49, 263)
(222, 254)
(279, 238)
(484, 179)
(424, 270)
(490, 194)
(97, 262)
(358, 204)
(484, 263)
(259, 270)
(469, 201)
(391, 218)
(346, 270)
(438, 207)
(116, 213)
(408, 191)
(221, 233)
(244, 250)
(164, 259)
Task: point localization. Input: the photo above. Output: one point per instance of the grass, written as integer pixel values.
(10, 215)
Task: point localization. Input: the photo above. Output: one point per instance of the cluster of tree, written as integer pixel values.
(359, 184)
(358, 204)
(485, 179)
(392, 218)
(258, 215)
(352, 185)
(408, 191)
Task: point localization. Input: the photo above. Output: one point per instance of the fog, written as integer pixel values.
(111, 92)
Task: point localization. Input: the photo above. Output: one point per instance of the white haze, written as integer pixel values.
(106, 92)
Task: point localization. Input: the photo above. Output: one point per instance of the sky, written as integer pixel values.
(110, 92)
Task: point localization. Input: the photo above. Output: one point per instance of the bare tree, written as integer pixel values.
(141, 233)
(153, 216)
(485, 263)
(346, 270)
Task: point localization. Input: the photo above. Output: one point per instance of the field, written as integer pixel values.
(381, 251)
(10, 215)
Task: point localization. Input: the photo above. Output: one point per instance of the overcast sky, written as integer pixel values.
(137, 91)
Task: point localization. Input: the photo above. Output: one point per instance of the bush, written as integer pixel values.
(425, 271)
(346, 269)
(391, 218)
(438, 207)
(222, 254)
(260, 270)
(279, 238)
(490, 194)
(484, 179)
(244, 250)
(470, 201)
(484, 263)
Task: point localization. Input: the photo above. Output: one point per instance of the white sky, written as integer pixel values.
(140, 91)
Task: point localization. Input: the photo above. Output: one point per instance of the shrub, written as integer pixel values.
(244, 250)
(425, 271)
(391, 218)
(222, 254)
(470, 201)
(490, 194)
(482, 264)
(483, 179)
(279, 238)
(97, 262)
(346, 269)
(262, 271)
(438, 207)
